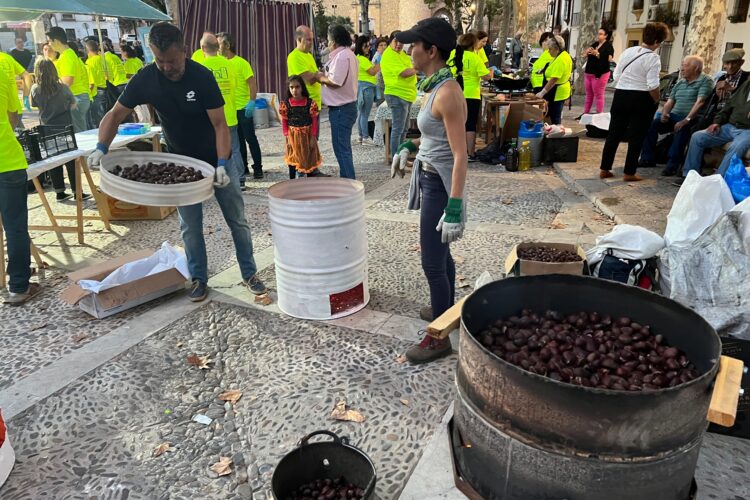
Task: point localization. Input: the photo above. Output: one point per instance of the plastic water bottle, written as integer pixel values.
(524, 156)
(511, 158)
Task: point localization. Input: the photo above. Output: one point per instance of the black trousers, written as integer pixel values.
(58, 182)
(632, 112)
(246, 133)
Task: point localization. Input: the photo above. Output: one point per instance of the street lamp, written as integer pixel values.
(333, 6)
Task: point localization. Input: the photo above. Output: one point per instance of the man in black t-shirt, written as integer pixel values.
(191, 110)
(21, 55)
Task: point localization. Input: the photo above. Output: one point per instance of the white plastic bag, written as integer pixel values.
(626, 242)
(167, 257)
(699, 203)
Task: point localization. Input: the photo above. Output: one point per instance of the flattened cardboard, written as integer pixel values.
(515, 266)
(518, 112)
(103, 269)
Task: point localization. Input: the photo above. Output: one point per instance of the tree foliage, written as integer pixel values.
(323, 20)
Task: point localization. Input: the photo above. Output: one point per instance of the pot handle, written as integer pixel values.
(725, 397)
(336, 438)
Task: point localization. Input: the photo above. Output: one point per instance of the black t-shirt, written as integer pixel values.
(181, 107)
(599, 65)
(22, 57)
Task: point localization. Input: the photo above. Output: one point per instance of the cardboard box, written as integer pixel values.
(738, 349)
(122, 297)
(122, 210)
(515, 266)
(518, 112)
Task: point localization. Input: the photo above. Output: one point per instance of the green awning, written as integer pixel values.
(28, 10)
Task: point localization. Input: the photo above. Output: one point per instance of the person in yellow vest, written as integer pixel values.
(556, 88)
(470, 71)
(198, 56)
(115, 69)
(13, 205)
(225, 76)
(131, 64)
(97, 83)
(482, 38)
(540, 65)
(301, 62)
(72, 73)
(245, 93)
(400, 79)
(367, 89)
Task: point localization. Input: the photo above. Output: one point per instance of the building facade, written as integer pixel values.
(385, 15)
(79, 27)
(630, 16)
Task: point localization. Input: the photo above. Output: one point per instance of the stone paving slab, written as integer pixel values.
(95, 437)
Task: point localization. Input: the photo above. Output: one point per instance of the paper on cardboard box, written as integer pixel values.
(515, 266)
(149, 283)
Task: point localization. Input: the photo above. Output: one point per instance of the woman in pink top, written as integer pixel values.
(340, 82)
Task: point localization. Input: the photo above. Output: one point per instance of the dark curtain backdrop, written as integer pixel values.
(264, 31)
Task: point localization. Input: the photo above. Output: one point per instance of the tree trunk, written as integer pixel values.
(173, 11)
(707, 18)
(457, 22)
(522, 26)
(588, 26)
(506, 13)
(479, 16)
(364, 6)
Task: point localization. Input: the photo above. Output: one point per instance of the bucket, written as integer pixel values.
(320, 246)
(323, 460)
(531, 130)
(260, 114)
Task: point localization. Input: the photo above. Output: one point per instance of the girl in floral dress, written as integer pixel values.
(299, 121)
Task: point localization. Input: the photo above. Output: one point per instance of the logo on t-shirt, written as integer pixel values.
(190, 96)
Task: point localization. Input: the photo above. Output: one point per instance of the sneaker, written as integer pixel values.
(242, 186)
(669, 172)
(256, 286)
(317, 173)
(678, 181)
(425, 313)
(473, 159)
(368, 142)
(62, 196)
(357, 142)
(428, 350)
(198, 291)
(16, 299)
(257, 174)
(85, 196)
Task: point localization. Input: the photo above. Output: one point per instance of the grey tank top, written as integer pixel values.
(434, 147)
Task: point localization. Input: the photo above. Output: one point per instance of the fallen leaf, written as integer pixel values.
(178, 344)
(463, 284)
(416, 248)
(232, 396)
(557, 225)
(264, 299)
(507, 202)
(161, 449)
(223, 467)
(201, 362)
(401, 359)
(209, 230)
(340, 412)
(551, 171)
(80, 337)
(404, 402)
(37, 326)
(460, 277)
(459, 259)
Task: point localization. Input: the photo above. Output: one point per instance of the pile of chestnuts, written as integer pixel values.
(159, 173)
(546, 254)
(327, 489)
(590, 350)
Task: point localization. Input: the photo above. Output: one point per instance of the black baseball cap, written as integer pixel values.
(57, 33)
(434, 30)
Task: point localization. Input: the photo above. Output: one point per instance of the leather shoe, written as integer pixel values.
(632, 178)
(605, 174)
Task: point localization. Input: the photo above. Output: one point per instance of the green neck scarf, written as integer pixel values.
(434, 79)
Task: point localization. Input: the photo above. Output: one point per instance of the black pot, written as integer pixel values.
(323, 460)
(587, 420)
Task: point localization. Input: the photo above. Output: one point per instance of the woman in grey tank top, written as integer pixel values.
(439, 175)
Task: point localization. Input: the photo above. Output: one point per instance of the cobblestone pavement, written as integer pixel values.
(89, 400)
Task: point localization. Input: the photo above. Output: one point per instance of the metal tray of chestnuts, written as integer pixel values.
(156, 179)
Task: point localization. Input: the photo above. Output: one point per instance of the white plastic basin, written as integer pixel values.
(155, 195)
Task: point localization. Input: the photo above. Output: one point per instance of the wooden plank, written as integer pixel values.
(101, 202)
(79, 200)
(725, 398)
(442, 326)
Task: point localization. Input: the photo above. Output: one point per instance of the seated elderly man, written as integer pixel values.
(685, 101)
(731, 124)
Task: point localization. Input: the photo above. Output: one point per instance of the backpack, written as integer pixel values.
(642, 273)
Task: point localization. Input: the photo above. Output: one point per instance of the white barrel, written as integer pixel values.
(155, 195)
(260, 117)
(320, 246)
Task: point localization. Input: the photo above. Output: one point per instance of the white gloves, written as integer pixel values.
(398, 165)
(95, 158)
(221, 179)
(450, 231)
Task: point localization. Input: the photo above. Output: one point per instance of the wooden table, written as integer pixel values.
(86, 142)
(493, 109)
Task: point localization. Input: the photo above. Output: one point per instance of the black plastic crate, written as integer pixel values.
(560, 149)
(28, 141)
(55, 140)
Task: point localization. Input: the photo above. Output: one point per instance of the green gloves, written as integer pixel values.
(453, 211)
(408, 145)
(451, 227)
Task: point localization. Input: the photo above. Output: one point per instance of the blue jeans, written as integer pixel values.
(342, 122)
(679, 141)
(437, 263)
(739, 137)
(15, 215)
(233, 209)
(365, 98)
(399, 123)
(80, 115)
